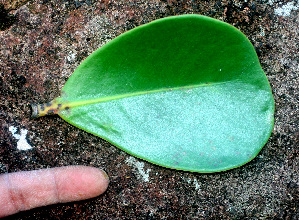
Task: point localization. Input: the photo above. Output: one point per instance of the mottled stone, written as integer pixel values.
(49, 39)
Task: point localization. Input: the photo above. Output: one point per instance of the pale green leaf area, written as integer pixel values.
(184, 92)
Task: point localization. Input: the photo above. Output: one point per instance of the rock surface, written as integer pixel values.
(42, 42)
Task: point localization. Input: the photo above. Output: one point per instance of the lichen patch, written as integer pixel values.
(22, 143)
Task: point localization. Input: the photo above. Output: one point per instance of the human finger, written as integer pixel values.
(30, 189)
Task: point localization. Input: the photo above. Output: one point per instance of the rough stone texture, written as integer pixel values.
(47, 41)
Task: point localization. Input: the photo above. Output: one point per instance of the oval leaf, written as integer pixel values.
(184, 92)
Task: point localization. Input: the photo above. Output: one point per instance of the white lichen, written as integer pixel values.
(22, 143)
(140, 168)
(286, 9)
(196, 184)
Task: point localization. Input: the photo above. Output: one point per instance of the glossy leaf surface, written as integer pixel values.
(184, 92)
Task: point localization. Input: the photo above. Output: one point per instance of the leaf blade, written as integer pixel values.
(183, 92)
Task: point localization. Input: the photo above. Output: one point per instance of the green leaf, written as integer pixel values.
(184, 92)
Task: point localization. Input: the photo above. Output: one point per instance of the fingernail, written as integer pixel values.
(104, 174)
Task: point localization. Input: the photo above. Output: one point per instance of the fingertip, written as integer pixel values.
(104, 179)
(80, 182)
(104, 174)
(99, 181)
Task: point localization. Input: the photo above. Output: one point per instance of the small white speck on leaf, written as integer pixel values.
(22, 143)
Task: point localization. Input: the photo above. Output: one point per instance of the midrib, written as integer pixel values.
(73, 104)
